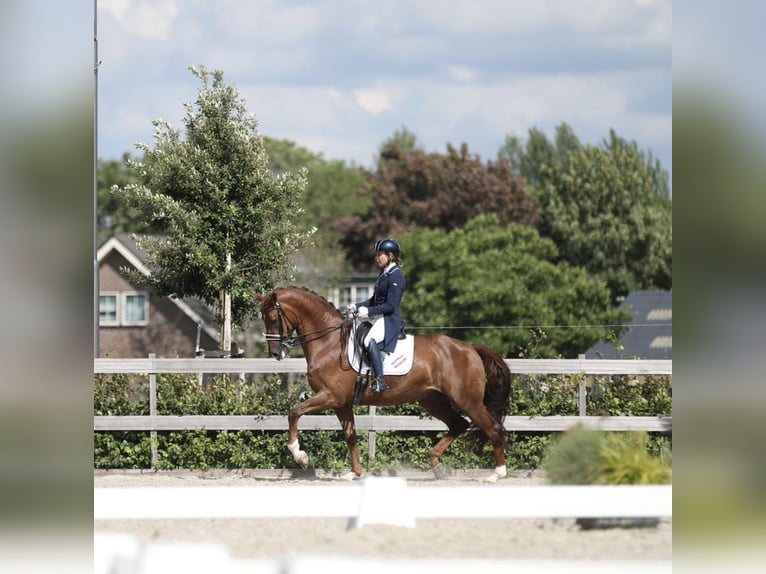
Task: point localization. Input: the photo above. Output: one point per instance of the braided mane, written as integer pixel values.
(310, 292)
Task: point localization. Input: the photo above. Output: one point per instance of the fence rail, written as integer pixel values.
(518, 366)
(368, 423)
(372, 422)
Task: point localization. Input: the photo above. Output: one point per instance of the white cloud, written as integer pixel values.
(339, 78)
(143, 18)
(461, 73)
(374, 101)
(117, 8)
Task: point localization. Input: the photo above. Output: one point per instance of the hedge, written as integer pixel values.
(268, 394)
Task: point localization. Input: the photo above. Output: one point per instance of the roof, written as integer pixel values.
(196, 309)
(650, 335)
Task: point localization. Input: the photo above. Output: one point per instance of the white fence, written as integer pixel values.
(588, 367)
(372, 422)
(382, 500)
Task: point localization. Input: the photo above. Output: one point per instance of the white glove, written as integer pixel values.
(351, 308)
(363, 312)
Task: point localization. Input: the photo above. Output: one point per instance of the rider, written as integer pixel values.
(383, 308)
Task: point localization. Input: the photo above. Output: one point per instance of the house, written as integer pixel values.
(133, 322)
(351, 290)
(650, 335)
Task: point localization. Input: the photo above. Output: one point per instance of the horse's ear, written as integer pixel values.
(259, 297)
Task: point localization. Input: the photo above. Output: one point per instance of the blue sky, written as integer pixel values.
(339, 77)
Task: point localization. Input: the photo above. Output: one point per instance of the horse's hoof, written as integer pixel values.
(440, 471)
(500, 472)
(349, 476)
(302, 459)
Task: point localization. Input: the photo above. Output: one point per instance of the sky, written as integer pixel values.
(340, 77)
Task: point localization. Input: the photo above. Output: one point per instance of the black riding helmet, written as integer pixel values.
(387, 245)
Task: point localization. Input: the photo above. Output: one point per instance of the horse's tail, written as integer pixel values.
(497, 389)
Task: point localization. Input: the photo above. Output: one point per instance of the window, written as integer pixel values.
(342, 296)
(118, 309)
(362, 293)
(107, 309)
(135, 309)
(345, 297)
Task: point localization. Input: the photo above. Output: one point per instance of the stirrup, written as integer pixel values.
(378, 385)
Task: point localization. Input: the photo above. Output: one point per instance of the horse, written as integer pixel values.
(449, 378)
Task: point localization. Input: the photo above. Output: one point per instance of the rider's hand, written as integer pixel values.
(351, 308)
(363, 312)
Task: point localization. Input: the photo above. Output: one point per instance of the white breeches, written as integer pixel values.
(377, 331)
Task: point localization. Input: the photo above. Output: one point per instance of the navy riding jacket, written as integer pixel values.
(386, 300)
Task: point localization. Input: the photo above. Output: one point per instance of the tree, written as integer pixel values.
(607, 208)
(404, 139)
(114, 214)
(502, 286)
(334, 190)
(230, 223)
(413, 189)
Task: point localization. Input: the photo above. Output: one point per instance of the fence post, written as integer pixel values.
(583, 391)
(371, 435)
(153, 411)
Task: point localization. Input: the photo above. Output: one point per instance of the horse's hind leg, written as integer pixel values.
(439, 406)
(494, 431)
(346, 417)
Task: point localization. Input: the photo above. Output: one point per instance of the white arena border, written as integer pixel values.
(123, 554)
(383, 500)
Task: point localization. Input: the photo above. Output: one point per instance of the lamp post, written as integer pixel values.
(95, 181)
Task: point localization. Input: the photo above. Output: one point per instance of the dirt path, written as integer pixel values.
(442, 538)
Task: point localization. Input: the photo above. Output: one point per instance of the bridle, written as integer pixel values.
(287, 342)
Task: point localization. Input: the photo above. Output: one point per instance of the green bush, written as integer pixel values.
(584, 456)
(267, 394)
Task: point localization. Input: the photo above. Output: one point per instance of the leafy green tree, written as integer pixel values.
(607, 208)
(230, 223)
(403, 139)
(114, 214)
(503, 286)
(412, 189)
(335, 190)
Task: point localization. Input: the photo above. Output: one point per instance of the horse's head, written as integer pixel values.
(279, 328)
(296, 316)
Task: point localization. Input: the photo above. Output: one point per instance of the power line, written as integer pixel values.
(525, 327)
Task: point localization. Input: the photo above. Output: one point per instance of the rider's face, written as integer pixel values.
(381, 258)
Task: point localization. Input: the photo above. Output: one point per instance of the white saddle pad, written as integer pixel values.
(397, 363)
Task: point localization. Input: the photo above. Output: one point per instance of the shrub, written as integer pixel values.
(584, 456)
(266, 394)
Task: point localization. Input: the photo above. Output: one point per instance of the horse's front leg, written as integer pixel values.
(346, 417)
(318, 402)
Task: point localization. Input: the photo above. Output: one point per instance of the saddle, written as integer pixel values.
(399, 362)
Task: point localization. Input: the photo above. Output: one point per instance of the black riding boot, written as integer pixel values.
(378, 384)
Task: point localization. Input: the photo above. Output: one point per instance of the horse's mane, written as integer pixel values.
(310, 292)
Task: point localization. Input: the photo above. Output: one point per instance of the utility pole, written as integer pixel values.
(96, 63)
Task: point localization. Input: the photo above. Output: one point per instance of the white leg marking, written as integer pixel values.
(294, 447)
(300, 456)
(500, 472)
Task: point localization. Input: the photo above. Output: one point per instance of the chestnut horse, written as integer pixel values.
(449, 378)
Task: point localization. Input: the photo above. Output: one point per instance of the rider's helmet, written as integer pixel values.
(387, 245)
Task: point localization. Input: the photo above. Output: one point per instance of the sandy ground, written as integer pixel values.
(442, 538)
